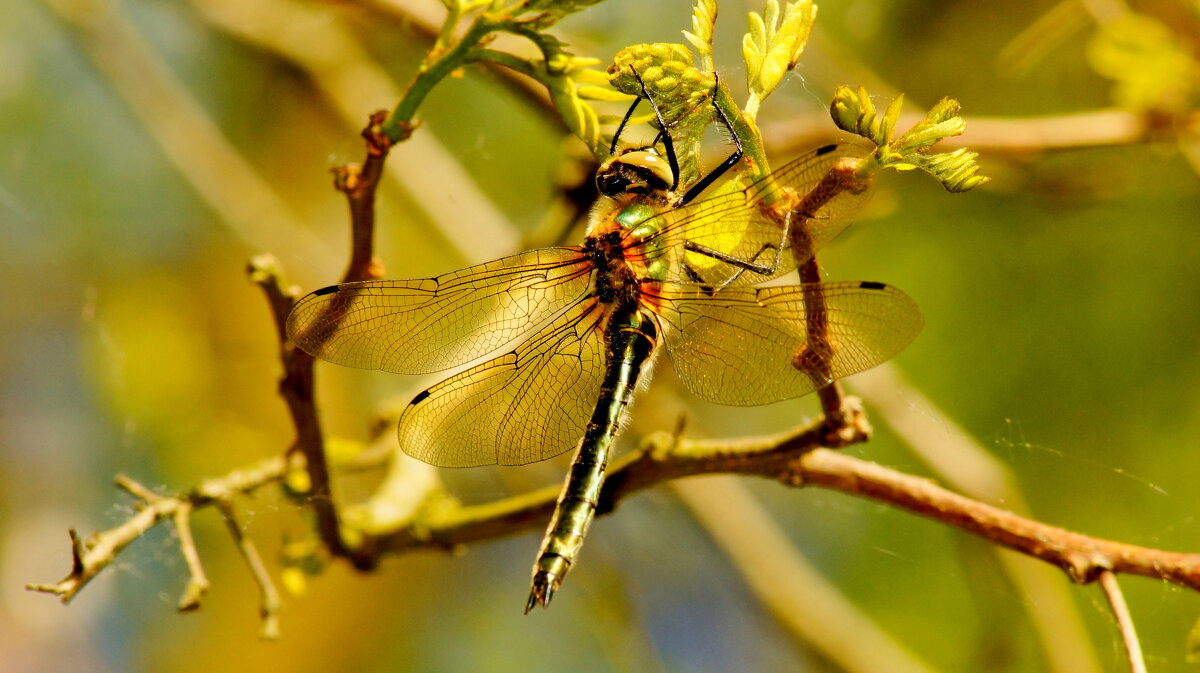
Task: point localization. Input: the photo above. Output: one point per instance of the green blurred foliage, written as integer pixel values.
(1060, 302)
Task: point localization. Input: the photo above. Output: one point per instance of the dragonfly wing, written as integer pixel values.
(741, 346)
(526, 405)
(733, 239)
(429, 324)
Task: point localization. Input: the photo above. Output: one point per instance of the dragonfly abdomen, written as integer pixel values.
(631, 336)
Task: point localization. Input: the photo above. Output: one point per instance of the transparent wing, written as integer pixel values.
(732, 239)
(527, 405)
(429, 324)
(740, 346)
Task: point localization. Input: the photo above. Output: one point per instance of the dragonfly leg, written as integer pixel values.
(729, 162)
(620, 129)
(664, 133)
(742, 265)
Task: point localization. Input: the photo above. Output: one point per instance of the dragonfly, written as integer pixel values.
(564, 335)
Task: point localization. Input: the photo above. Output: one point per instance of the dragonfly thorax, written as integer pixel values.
(616, 282)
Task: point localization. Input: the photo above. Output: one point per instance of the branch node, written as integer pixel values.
(378, 142)
(849, 426)
(347, 178)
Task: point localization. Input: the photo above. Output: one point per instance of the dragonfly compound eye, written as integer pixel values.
(633, 174)
(611, 184)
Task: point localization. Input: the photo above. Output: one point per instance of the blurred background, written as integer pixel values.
(150, 148)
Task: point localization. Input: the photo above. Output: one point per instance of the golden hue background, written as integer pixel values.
(1062, 304)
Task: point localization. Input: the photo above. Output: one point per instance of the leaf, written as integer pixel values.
(773, 44)
(853, 111)
(704, 22)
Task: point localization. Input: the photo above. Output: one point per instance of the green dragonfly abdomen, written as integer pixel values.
(631, 337)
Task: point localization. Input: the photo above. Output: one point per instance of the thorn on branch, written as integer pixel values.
(76, 555)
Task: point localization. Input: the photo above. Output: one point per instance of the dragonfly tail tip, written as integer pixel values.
(542, 591)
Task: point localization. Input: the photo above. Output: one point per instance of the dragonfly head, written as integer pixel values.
(636, 170)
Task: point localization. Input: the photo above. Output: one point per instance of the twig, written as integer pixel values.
(817, 358)
(270, 603)
(197, 585)
(89, 557)
(796, 459)
(793, 458)
(1116, 601)
(359, 183)
(298, 389)
(422, 20)
(136, 489)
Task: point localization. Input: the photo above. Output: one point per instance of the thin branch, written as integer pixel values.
(794, 458)
(136, 489)
(89, 557)
(423, 21)
(298, 390)
(819, 352)
(197, 586)
(1082, 557)
(359, 182)
(270, 604)
(797, 459)
(1116, 601)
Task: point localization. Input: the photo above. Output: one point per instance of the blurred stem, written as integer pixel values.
(351, 83)
(1013, 136)
(957, 459)
(805, 602)
(438, 64)
(247, 206)
(1116, 601)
